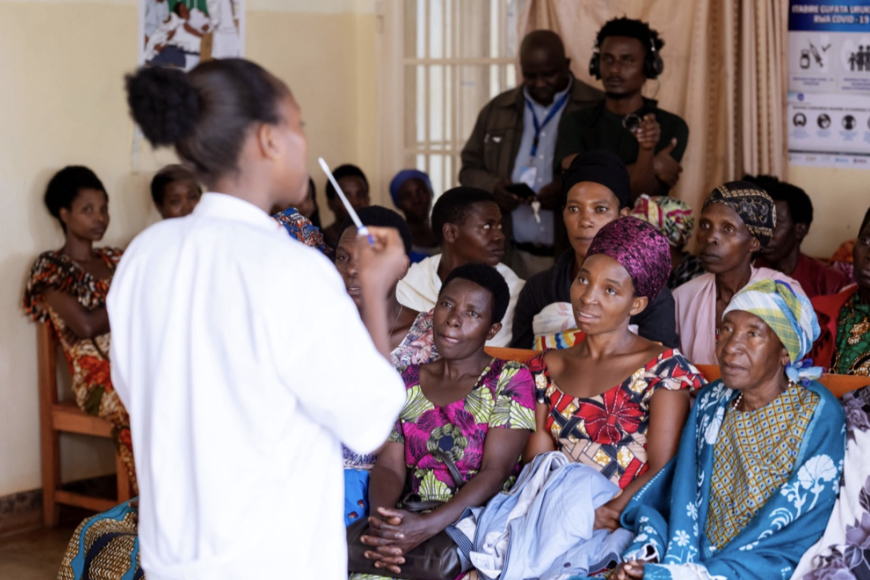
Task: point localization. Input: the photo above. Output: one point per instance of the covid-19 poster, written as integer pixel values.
(829, 83)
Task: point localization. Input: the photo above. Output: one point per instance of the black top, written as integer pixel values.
(657, 322)
(596, 127)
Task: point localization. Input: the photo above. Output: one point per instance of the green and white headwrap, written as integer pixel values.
(791, 317)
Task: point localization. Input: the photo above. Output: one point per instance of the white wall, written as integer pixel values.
(62, 102)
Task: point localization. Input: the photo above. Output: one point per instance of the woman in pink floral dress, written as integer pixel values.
(477, 409)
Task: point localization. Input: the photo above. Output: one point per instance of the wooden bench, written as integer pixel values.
(839, 385)
(65, 417)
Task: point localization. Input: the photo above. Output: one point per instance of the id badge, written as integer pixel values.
(528, 175)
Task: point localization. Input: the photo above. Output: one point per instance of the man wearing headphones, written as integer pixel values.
(511, 149)
(649, 140)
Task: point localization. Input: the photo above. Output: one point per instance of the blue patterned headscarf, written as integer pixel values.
(403, 176)
(789, 315)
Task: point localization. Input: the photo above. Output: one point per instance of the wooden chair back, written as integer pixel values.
(56, 417)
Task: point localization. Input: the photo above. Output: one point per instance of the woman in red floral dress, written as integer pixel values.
(68, 287)
(616, 401)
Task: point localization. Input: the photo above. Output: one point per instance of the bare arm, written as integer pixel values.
(83, 322)
(388, 477)
(396, 532)
(540, 441)
(668, 411)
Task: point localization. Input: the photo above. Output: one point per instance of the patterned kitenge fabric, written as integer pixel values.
(105, 547)
(670, 513)
(639, 248)
(300, 228)
(852, 355)
(608, 431)
(88, 358)
(503, 398)
(789, 314)
(753, 458)
(418, 346)
(751, 203)
(670, 216)
(690, 268)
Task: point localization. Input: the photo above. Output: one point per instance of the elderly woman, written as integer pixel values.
(673, 218)
(476, 409)
(844, 345)
(758, 469)
(596, 190)
(737, 220)
(616, 401)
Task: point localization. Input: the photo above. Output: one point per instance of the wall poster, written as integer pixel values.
(181, 33)
(829, 83)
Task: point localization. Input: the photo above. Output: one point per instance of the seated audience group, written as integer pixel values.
(738, 482)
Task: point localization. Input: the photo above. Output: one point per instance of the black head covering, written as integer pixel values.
(751, 203)
(602, 167)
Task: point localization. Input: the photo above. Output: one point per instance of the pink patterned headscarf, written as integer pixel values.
(640, 248)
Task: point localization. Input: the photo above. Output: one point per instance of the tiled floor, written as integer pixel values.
(34, 555)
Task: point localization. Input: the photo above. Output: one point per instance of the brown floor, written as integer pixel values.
(34, 555)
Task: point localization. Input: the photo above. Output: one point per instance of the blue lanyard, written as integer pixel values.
(557, 106)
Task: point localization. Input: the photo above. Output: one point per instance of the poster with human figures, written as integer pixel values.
(181, 33)
(829, 83)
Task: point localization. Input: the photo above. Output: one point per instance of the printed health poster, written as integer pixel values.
(829, 83)
(181, 33)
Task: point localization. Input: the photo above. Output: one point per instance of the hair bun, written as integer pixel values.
(163, 103)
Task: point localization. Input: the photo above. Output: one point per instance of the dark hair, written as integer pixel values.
(167, 175)
(799, 204)
(382, 217)
(865, 221)
(486, 277)
(453, 205)
(631, 28)
(346, 170)
(65, 185)
(205, 113)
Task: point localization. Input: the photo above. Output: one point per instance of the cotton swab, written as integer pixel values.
(360, 228)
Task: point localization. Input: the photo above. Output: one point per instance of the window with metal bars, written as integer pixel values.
(457, 55)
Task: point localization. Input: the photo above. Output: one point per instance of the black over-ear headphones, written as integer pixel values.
(653, 65)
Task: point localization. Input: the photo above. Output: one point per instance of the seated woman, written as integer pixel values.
(175, 191)
(758, 467)
(301, 225)
(673, 218)
(411, 338)
(476, 408)
(411, 191)
(411, 335)
(737, 220)
(69, 286)
(616, 401)
(596, 190)
(844, 344)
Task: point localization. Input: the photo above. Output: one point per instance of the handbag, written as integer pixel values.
(435, 559)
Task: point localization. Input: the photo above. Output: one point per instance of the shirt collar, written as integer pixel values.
(229, 207)
(556, 97)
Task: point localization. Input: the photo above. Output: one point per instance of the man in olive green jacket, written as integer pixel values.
(514, 142)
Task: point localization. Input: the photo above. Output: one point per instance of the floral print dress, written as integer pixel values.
(503, 398)
(88, 358)
(608, 431)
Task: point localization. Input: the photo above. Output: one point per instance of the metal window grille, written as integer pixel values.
(457, 55)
